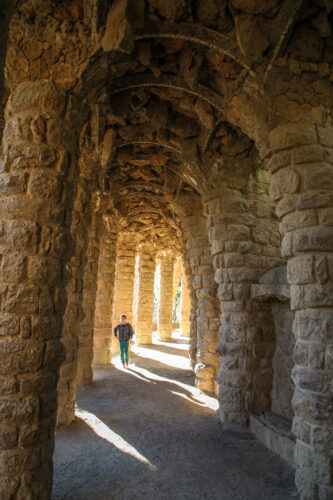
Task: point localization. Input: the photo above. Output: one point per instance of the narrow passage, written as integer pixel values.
(148, 433)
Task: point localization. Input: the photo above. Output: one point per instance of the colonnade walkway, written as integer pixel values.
(147, 433)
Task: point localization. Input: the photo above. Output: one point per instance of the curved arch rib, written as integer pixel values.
(140, 80)
(197, 34)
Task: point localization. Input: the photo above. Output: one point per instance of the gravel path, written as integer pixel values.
(147, 433)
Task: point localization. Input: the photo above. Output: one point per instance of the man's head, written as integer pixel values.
(123, 318)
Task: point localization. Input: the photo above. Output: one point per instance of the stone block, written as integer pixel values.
(231, 399)
(13, 268)
(322, 440)
(301, 430)
(44, 270)
(300, 354)
(42, 95)
(238, 232)
(287, 245)
(325, 135)
(300, 270)
(316, 238)
(312, 380)
(325, 216)
(315, 466)
(314, 199)
(285, 181)
(315, 325)
(20, 356)
(325, 492)
(298, 220)
(306, 487)
(241, 274)
(292, 134)
(233, 259)
(225, 292)
(8, 385)
(279, 160)
(319, 176)
(8, 486)
(316, 356)
(235, 379)
(18, 411)
(313, 408)
(286, 205)
(9, 325)
(22, 235)
(8, 437)
(208, 281)
(311, 153)
(13, 183)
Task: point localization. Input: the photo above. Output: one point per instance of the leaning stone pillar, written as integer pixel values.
(84, 374)
(164, 316)
(145, 298)
(39, 160)
(302, 185)
(185, 308)
(104, 297)
(124, 283)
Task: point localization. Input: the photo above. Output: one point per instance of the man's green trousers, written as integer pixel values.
(123, 351)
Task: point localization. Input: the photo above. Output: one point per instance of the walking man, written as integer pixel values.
(123, 332)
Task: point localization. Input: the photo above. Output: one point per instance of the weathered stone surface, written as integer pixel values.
(182, 101)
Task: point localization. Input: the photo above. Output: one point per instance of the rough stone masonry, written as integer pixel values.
(201, 131)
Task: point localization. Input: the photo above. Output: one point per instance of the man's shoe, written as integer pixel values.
(124, 365)
(127, 364)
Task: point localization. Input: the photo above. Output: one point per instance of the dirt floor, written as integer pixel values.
(147, 433)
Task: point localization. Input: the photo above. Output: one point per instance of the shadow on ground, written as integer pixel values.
(145, 433)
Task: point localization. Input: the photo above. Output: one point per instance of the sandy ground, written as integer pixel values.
(147, 433)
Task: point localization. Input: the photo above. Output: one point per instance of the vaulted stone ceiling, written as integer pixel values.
(171, 80)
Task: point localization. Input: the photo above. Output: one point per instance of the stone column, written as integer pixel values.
(84, 374)
(302, 185)
(205, 318)
(145, 300)
(74, 312)
(124, 283)
(185, 308)
(246, 333)
(104, 297)
(38, 173)
(177, 270)
(135, 292)
(164, 317)
(6, 10)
